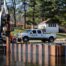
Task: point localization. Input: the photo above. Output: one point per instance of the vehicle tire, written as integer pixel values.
(25, 39)
(51, 39)
(43, 40)
(19, 39)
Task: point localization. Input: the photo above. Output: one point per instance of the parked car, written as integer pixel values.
(36, 34)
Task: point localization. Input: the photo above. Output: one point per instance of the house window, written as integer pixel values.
(52, 25)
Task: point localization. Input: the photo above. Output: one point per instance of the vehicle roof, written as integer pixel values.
(33, 29)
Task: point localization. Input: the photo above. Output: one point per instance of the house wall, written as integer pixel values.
(42, 26)
(49, 29)
(52, 29)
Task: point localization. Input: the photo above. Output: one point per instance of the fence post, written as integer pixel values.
(26, 52)
(31, 53)
(17, 52)
(42, 55)
(21, 52)
(37, 54)
(13, 53)
(7, 52)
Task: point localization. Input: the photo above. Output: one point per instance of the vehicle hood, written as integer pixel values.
(24, 33)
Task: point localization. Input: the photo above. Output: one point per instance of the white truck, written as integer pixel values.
(36, 34)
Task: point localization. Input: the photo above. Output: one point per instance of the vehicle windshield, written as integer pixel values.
(26, 31)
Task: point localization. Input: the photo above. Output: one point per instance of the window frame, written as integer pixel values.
(52, 25)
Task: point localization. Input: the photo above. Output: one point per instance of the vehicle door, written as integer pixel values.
(39, 34)
(33, 34)
(44, 33)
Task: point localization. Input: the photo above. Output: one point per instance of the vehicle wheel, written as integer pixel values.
(25, 39)
(51, 39)
(43, 40)
(19, 39)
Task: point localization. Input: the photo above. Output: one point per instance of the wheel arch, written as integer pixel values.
(25, 36)
(51, 37)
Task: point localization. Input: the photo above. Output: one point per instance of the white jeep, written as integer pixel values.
(36, 34)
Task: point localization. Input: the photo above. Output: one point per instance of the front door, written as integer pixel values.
(39, 34)
(33, 34)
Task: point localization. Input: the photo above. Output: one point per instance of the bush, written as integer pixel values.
(62, 30)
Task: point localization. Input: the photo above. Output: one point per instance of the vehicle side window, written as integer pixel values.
(39, 32)
(34, 31)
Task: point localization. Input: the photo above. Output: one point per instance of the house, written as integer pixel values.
(49, 26)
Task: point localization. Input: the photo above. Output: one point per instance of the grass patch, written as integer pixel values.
(61, 35)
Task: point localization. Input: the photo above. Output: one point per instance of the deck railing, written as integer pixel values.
(42, 54)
